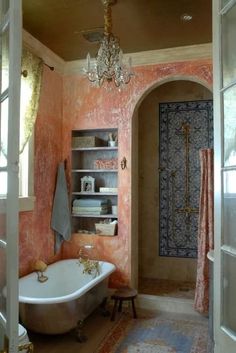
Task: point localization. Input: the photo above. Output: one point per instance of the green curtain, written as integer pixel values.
(30, 92)
(32, 67)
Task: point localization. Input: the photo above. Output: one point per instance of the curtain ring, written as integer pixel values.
(123, 163)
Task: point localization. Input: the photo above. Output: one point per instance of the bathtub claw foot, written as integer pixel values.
(79, 332)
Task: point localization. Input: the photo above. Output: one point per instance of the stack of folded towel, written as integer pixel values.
(90, 206)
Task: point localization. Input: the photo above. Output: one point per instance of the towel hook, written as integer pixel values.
(123, 163)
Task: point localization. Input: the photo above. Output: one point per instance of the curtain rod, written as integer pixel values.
(50, 67)
(24, 73)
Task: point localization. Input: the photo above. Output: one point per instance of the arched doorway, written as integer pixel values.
(155, 269)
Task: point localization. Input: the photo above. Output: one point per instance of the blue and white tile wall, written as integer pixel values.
(185, 128)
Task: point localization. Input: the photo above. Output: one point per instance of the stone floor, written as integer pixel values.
(96, 328)
(168, 288)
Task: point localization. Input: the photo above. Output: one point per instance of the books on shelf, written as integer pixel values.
(104, 189)
(106, 163)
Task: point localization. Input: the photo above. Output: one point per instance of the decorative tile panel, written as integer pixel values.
(185, 128)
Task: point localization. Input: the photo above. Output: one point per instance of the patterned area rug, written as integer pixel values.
(159, 333)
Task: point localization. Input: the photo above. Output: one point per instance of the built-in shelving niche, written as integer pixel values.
(83, 159)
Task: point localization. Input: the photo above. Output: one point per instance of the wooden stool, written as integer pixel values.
(121, 295)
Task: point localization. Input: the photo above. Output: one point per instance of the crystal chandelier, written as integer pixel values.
(108, 64)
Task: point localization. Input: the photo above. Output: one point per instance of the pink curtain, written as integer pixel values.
(205, 231)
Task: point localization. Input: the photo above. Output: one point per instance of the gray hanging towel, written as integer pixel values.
(61, 222)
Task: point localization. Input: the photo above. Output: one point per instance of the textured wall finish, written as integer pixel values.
(36, 237)
(87, 107)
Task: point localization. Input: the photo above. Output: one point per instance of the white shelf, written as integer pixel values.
(79, 193)
(94, 216)
(94, 170)
(105, 148)
(83, 164)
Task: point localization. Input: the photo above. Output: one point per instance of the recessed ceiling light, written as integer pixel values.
(186, 17)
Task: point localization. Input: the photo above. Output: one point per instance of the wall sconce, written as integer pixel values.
(123, 163)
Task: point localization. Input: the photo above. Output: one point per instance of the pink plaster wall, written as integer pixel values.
(72, 103)
(87, 107)
(36, 238)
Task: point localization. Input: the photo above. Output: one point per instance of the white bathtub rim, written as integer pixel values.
(71, 296)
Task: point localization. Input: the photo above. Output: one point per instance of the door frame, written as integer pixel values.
(9, 323)
(224, 340)
(134, 239)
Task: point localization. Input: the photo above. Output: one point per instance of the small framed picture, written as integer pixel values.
(87, 184)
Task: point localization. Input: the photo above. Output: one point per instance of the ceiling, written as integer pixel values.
(140, 24)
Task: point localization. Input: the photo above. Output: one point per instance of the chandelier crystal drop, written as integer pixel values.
(108, 65)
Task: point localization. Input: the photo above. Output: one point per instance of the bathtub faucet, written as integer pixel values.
(40, 267)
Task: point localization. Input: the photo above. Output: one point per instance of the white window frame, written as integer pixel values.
(26, 203)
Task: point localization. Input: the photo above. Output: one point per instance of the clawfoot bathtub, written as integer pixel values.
(66, 298)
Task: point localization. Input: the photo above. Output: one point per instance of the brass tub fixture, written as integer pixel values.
(40, 267)
(91, 267)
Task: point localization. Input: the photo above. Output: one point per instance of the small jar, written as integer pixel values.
(112, 143)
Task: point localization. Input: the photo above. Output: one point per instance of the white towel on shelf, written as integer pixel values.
(61, 221)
